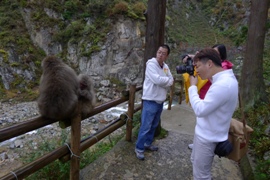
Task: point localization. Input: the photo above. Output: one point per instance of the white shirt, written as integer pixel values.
(215, 111)
(156, 82)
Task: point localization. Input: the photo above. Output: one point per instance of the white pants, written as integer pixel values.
(202, 157)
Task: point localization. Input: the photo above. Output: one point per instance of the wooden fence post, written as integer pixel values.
(75, 145)
(181, 81)
(171, 95)
(132, 92)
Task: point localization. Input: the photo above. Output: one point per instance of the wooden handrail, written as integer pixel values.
(38, 122)
(172, 92)
(63, 152)
(77, 146)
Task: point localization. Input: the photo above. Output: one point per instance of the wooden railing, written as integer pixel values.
(172, 91)
(76, 146)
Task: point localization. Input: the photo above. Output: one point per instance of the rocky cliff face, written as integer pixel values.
(120, 57)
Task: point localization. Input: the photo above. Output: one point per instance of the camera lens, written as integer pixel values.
(181, 69)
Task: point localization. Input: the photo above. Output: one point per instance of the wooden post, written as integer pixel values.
(171, 95)
(181, 90)
(132, 92)
(75, 145)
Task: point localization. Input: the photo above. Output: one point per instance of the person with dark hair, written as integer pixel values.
(221, 49)
(158, 79)
(214, 112)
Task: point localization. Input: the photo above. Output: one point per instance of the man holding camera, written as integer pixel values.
(157, 80)
(188, 69)
(214, 112)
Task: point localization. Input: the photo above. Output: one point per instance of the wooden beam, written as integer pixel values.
(130, 112)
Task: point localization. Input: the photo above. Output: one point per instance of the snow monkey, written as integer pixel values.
(59, 90)
(86, 95)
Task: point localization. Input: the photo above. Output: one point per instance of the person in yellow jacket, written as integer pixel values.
(203, 85)
(200, 84)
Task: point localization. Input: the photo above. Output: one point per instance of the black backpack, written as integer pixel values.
(223, 148)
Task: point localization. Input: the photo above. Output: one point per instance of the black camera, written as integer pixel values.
(187, 68)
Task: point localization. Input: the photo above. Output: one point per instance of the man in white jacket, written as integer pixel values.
(214, 112)
(157, 80)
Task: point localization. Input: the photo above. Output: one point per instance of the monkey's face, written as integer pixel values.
(83, 85)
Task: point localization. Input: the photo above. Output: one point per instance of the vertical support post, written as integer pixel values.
(181, 81)
(132, 91)
(171, 95)
(75, 145)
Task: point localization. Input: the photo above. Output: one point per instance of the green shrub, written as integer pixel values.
(139, 8)
(120, 8)
(262, 171)
(60, 170)
(259, 118)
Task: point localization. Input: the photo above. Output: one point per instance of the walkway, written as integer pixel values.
(170, 162)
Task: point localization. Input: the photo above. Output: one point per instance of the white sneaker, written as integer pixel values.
(190, 146)
(140, 155)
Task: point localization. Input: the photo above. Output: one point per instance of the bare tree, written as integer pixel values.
(252, 87)
(155, 30)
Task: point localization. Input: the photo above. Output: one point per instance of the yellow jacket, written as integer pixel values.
(200, 84)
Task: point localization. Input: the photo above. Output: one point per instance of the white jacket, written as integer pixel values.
(156, 82)
(214, 112)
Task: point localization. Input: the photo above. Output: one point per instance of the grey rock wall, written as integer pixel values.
(121, 55)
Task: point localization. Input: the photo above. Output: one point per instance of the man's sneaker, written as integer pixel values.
(140, 155)
(151, 148)
(190, 146)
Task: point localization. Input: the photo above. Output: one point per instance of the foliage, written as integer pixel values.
(4, 55)
(191, 32)
(136, 121)
(163, 134)
(259, 119)
(227, 17)
(99, 6)
(121, 86)
(120, 8)
(60, 170)
(139, 8)
(55, 169)
(136, 124)
(133, 10)
(16, 40)
(262, 171)
(237, 37)
(98, 150)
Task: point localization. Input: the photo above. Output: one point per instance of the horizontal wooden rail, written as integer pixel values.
(38, 122)
(63, 152)
(78, 146)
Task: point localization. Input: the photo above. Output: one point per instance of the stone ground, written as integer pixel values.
(170, 162)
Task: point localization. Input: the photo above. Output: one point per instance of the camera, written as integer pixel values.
(187, 67)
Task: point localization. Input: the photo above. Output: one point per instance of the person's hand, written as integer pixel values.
(185, 59)
(170, 82)
(193, 80)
